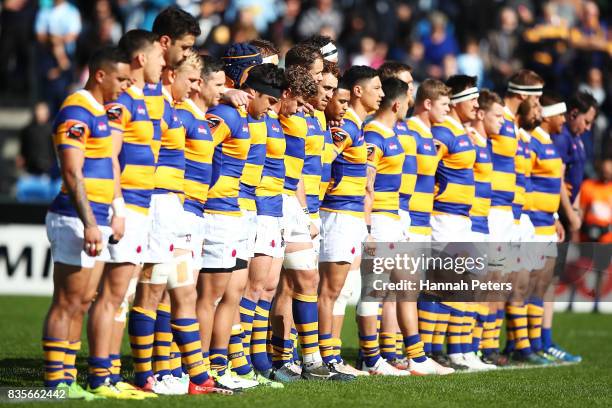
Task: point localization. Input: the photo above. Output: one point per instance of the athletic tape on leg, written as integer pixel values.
(182, 274)
(302, 260)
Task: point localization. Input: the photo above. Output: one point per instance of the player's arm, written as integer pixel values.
(117, 118)
(71, 164)
(369, 194)
(567, 207)
(236, 97)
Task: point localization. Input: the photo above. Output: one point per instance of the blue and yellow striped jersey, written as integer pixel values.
(231, 138)
(421, 202)
(251, 175)
(170, 171)
(546, 173)
(295, 129)
(346, 191)
(199, 150)
(268, 194)
(129, 115)
(409, 170)
(527, 165)
(154, 98)
(82, 124)
(503, 148)
(483, 172)
(386, 155)
(454, 190)
(327, 157)
(313, 163)
(519, 191)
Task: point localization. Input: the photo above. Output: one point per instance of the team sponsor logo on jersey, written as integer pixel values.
(114, 112)
(464, 143)
(275, 127)
(483, 155)
(549, 151)
(371, 149)
(401, 127)
(202, 129)
(102, 127)
(510, 129)
(76, 131)
(338, 135)
(141, 110)
(392, 146)
(427, 147)
(213, 121)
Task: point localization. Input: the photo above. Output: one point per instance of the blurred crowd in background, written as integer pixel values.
(45, 44)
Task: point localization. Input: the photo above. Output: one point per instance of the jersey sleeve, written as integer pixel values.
(376, 148)
(443, 139)
(72, 128)
(562, 144)
(118, 113)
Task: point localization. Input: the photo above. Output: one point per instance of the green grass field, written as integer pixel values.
(588, 384)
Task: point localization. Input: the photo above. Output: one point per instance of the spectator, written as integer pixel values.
(208, 19)
(57, 29)
(502, 52)
(262, 12)
(416, 59)
(596, 205)
(16, 19)
(590, 38)
(367, 52)
(470, 62)
(438, 44)
(322, 14)
(39, 183)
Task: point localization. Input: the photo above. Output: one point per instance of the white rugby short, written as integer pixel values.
(316, 241)
(386, 228)
(167, 224)
(194, 239)
(225, 239)
(296, 222)
(269, 238)
(341, 236)
(66, 235)
(249, 225)
(450, 228)
(133, 247)
(501, 225)
(405, 220)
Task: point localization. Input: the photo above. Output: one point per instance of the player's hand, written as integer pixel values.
(560, 231)
(118, 227)
(314, 230)
(92, 242)
(237, 97)
(308, 108)
(370, 246)
(335, 123)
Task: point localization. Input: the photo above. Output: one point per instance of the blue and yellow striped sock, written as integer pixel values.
(115, 368)
(186, 333)
(482, 313)
(535, 315)
(326, 345)
(488, 334)
(294, 348)
(517, 318)
(379, 315)
(414, 348)
(337, 344)
(247, 317)
(370, 351)
(162, 339)
(176, 365)
(281, 351)
(306, 319)
(469, 319)
(54, 352)
(70, 370)
(441, 327)
(387, 345)
(499, 320)
(99, 371)
(427, 322)
(546, 338)
(259, 337)
(141, 328)
(218, 360)
(399, 345)
(455, 328)
(238, 361)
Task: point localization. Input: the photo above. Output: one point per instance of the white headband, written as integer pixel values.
(330, 52)
(525, 89)
(466, 95)
(554, 110)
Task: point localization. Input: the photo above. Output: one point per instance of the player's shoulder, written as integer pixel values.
(80, 106)
(225, 112)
